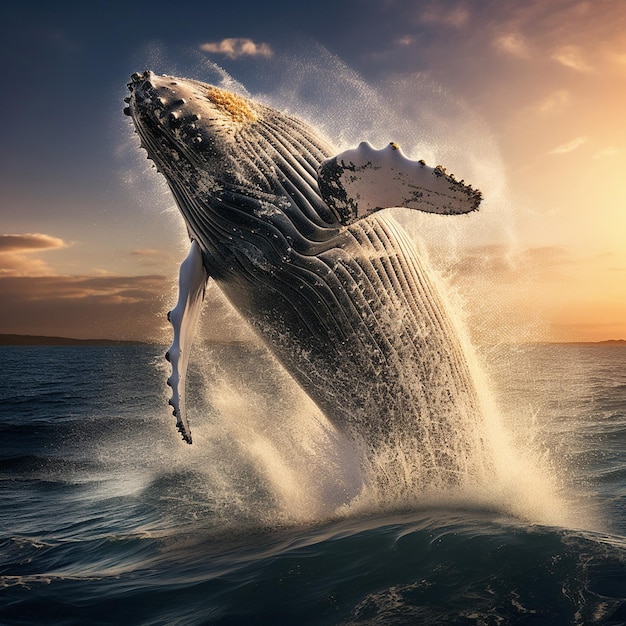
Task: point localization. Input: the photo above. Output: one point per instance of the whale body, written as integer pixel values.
(294, 236)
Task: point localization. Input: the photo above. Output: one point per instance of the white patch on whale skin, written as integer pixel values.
(361, 181)
(192, 279)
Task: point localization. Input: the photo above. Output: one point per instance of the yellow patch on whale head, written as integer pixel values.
(231, 104)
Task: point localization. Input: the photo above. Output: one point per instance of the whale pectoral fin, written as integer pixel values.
(358, 182)
(192, 280)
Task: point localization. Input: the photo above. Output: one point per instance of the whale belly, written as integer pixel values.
(362, 329)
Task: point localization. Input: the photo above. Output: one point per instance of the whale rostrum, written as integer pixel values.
(294, 236)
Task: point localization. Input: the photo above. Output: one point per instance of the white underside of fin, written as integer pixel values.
(192, 279)
(358, 182)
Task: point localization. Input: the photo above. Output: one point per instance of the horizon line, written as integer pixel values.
(17, 339)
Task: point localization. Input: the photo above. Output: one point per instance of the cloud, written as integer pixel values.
(17, 253)
(152, 259)
(146, 252)
(406, 40)
(109, 288)
(508, 264)
(606, 152)
(84, 306)
(512, 44)
(570, 146)
(106, 307)
(571, 56)
(38, 301)
(554, 102)
(437, 14)
(29, 242)
(236, 47)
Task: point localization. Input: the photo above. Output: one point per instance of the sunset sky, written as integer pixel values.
(525, 100)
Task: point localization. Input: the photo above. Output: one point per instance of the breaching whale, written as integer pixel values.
(293, 235)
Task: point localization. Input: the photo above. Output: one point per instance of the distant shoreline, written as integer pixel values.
(606, 342)
(42, 340)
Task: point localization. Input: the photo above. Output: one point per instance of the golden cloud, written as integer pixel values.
(29, 242)
(570, 146)
(512, 44)
(503, 263)
(554, 102)
(146, 252)
(572, 57)
(16, 253)
(236, 47)
(611, 151)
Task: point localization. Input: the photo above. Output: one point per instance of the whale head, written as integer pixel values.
(229, 161)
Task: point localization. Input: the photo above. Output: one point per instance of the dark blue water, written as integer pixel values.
(106, 517)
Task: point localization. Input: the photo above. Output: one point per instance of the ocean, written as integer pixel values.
(107, 517)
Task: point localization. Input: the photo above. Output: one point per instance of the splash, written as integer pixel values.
(275, 453)
(265, 455)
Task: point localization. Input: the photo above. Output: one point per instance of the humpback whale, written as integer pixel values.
(294, 235)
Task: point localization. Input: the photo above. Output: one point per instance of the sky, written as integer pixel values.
(525, 100)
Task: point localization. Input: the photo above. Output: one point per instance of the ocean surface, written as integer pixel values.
(107, 517)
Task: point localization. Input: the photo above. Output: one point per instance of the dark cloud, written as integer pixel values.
(107, 307)
(116, 307)
(450, 14)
